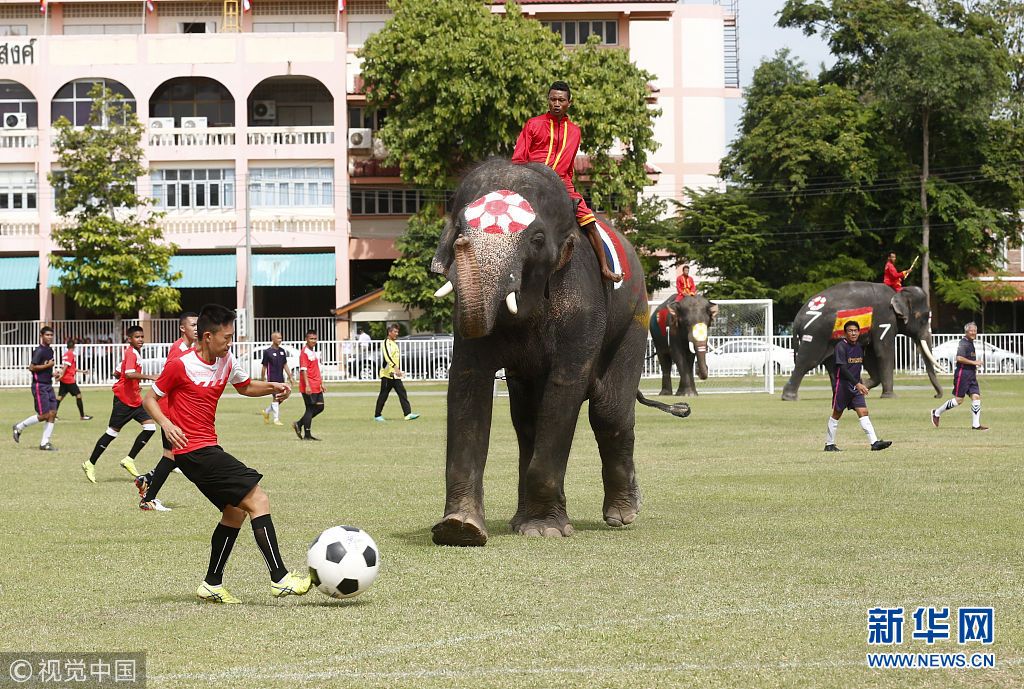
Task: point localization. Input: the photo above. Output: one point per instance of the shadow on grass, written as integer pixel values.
(313, 599)
(497, 529)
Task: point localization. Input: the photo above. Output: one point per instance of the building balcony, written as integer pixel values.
(183, 138)
(290, 136)
(18, 139)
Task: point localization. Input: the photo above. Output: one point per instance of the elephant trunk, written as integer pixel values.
(930, 364)
(702, 364)
(473, 318)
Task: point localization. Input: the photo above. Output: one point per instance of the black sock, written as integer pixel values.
(101, 445)
(266, 539)
(81, 407)
(140, 442)
(221, 543)
(157, 477)
(57, 408)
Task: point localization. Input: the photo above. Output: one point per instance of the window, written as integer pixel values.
(81, 29)
(386, 201)
(197, 27)
(194, 189)
(281, 187)
(292, 27)
(72, 100)
(363, 118)
(13, 29)
(17, 190)
(16, 98)
(577, 32)
(194, 97)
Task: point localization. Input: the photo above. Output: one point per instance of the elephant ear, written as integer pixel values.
(443, 256)
(712, 312)
(566, 253)
(900, 306)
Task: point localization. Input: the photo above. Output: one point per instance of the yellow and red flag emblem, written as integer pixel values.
(861, 316)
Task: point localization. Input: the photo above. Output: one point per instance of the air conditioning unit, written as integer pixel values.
(161, 123)
(193, 123)
(15, 120)
(360, 139)
(264, 110)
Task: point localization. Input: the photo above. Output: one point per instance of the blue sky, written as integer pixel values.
(759, 39)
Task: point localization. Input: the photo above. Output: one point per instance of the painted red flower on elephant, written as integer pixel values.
(500, 212)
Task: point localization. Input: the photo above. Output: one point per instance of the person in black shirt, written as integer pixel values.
(43, 399)
(965, 380)
(849, 392)
(275, 368)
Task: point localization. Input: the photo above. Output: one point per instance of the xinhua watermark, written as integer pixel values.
(99, 669)
(969, 625)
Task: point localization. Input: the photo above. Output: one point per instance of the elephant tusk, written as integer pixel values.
(446, 289)
(510, 302)
(928, 354)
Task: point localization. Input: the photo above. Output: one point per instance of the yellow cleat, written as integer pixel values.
(215, 594)
(277, 422)
(129, 465)
(90, 470)
(266, 416)
(291, 585)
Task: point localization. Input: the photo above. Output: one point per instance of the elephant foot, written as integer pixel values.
(686, 393)
(888, 395)
(555, 526)
(665, 392)
(624, 510)
(937, 395)
(459, 529)
(789, 395)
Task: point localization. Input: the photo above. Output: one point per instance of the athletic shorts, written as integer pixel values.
(43, 398)
(68, 389)
(965, 384)
(313, 399)
(843, 398)
(121, 414)
(219, 476)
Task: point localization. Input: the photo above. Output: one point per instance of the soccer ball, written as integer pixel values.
(343, 561)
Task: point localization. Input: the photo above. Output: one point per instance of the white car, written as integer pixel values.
(257, 360)
(743, 356)
(996, 360)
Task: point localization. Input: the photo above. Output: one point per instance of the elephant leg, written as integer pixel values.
(613, 419)
(687, 387)
(524, 402)
(791, 392)
(470, 405)
(544, 510)
(666, 373)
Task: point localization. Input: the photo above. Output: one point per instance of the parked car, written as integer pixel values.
(996, 360)
(256, 369)
(743, 356)
(427, 356)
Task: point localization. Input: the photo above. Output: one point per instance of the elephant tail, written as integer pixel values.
(680, 409)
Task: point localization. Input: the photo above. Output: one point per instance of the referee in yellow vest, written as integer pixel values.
(391, 377)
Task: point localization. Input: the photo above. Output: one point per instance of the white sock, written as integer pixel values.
(830, 433)
(865, 423)
(30, 421)
(975, 413)
(276, 406)
(47, 431)
(951, 404)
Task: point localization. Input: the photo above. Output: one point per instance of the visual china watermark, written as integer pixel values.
(106, 669)
(974, 625)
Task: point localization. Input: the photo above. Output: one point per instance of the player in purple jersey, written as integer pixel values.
(43, 399)
(965, 380)
(849, 392)
(275, 368)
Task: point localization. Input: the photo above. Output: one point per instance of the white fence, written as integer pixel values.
(429, 360)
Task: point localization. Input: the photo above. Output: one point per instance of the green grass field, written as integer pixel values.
(753, 562)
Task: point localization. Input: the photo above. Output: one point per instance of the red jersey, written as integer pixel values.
(893, 277)
(193, 388)
(177, 350)
(127, 389)
(685, 287)
(309, 361)
(70, 367)
(554, 142)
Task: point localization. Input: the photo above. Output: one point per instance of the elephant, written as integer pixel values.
(679, 330)
(882, 312)
(529, 299)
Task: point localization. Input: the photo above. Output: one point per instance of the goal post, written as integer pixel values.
(742, 356)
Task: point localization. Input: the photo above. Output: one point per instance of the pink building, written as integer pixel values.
(250, 124)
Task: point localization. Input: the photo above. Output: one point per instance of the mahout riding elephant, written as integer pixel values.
(882, 314)
(679, 330)
(529, 298)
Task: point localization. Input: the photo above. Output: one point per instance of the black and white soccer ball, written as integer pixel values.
(343, 561)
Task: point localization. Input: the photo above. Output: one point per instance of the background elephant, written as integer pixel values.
(679, 330)
(529, 298)
(905, 312)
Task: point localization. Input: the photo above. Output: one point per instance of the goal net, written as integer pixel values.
(742, 356)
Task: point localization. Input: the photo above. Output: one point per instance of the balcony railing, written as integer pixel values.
(19, 229)
(16, 138)
(198, 225)
(294, 224)
(289, 136)
(211, 136)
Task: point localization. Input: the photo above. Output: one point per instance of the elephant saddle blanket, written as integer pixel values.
(861, 317)
(614, 252)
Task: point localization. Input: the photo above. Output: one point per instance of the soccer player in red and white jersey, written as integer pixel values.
(127, 406)
(193, 385)
(149, 485)
(311, 385)
(69, 380)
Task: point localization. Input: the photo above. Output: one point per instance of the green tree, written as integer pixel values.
(113, 258)
(410, 281)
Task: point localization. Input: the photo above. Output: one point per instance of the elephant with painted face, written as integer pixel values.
(679, 330)
(529, 298)
(881, 313)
